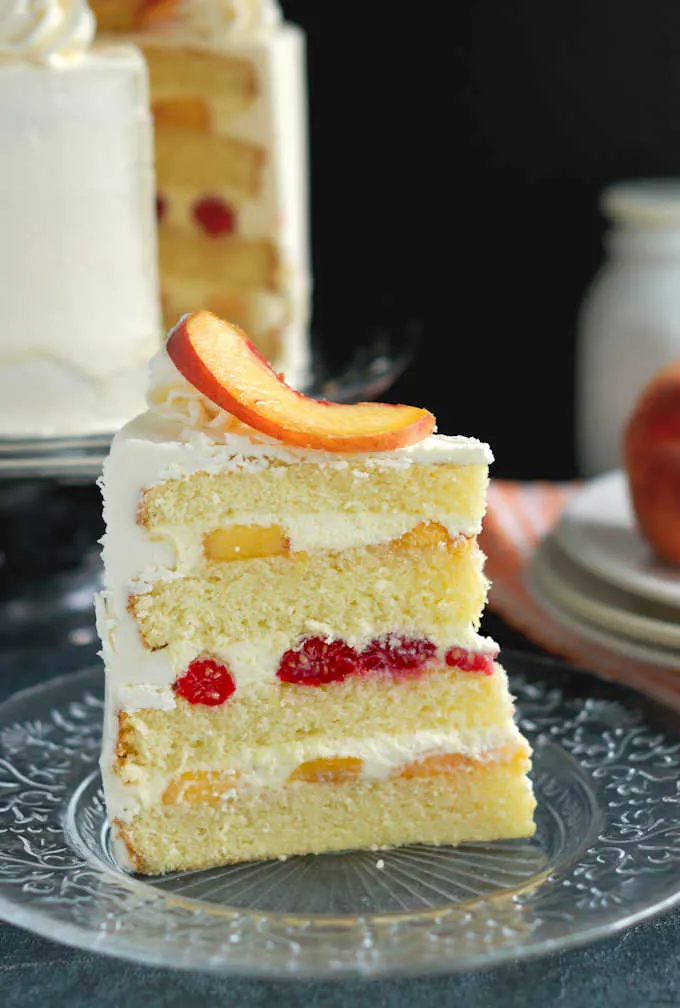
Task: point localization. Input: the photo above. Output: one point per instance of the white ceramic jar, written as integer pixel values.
(629, 323)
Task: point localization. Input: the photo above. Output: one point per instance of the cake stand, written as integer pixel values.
(50, 507)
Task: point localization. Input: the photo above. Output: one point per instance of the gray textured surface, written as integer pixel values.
(639, 968)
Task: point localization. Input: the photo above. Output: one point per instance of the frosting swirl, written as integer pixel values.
(237, 17)
(174, 399)
(45, 30)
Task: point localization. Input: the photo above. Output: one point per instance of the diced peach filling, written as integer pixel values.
(333, 770)
(186, 110)
(202, 787)
(209, 787)
(245, 542)
(449, 763)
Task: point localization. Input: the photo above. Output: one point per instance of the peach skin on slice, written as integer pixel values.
(153, 12)
(220, 361)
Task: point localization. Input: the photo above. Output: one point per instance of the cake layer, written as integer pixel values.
(473, 801)
(446, 492)
(470, 710)
(239, 264)
(424, 585)
(186, 157)
(230, 79)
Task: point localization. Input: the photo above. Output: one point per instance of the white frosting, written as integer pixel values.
(45, 30)
(228, 19)
(77, 244)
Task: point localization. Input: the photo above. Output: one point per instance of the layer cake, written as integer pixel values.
(290, 624)
(228, 93)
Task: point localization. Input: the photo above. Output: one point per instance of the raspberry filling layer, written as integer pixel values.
(205, 681)
(316, 661)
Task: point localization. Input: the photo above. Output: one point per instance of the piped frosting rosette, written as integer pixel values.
(45, 31)
(237, 17)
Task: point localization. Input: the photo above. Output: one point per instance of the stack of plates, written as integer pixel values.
(596, 576)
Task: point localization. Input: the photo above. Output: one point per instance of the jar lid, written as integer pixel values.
(653, 201)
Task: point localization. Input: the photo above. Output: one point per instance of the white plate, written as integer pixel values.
(609, 607)
(549, 593)
(597, 530)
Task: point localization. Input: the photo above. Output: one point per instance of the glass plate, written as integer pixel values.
(607, 852)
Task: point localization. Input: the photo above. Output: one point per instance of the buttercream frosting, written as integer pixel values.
(212, 19)
(45, 30)
(77, 243)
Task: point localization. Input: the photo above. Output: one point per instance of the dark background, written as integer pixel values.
(457, 154)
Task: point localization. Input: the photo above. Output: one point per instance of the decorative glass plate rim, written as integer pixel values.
(622, 719)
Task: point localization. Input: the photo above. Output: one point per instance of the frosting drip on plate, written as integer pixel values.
(45, 31)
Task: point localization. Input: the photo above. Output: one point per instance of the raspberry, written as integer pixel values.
(161, 207)
(316, 661)
(205, 682)
(470, 661)
(214, 215)
(397, 654)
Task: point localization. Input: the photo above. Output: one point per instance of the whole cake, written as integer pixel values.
(229, 103)
(78, 259)
(288, 624)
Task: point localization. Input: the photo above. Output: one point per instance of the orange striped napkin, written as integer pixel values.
(519, 515)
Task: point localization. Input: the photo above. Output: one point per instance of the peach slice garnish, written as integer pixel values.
(332, 770)
(155, 12)
(220, 361)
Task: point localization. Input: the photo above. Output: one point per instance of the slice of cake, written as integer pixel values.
(289, 624)
(78, 257)
(228, 96)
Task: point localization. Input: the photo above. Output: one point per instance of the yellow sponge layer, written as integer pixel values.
(197, 736)
(428, 491)
(483, 801)
(424, 584)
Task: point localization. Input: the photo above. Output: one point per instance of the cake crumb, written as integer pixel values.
(380, 864)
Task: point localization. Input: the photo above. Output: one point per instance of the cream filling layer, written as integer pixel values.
(382, 756)
(178, 551)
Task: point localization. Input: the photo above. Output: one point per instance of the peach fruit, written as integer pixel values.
(221, 362)
(651, 454)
